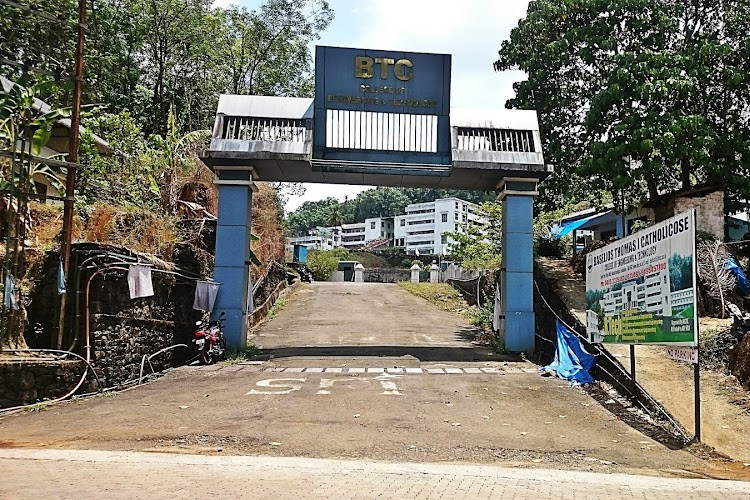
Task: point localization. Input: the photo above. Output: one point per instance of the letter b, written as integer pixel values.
(363, 67)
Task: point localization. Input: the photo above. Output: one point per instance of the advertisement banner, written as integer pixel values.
(641, 289)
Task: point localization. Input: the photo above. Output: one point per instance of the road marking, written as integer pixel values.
(451, 370)
(327, 383)
(271, 383)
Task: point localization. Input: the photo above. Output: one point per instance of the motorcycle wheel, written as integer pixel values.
(205, 357)
(223, 346)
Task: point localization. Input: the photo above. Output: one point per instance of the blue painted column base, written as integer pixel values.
(231, 266)
(517, 322)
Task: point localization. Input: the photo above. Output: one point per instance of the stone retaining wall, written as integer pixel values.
(28, 382)
(123, 330)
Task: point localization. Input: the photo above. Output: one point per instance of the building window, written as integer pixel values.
(403, 222)
(455, 227)
(455, 215)
(443, 239)
(444, 216)
(464, 217)
(372, 225)
(465, 207)
(456, 205)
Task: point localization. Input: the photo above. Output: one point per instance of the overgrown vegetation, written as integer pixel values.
(635, 98)
(323, 263)
(278, 306)
(442, 295)
(449, 299)
(155, 70)
(238, 356)
(716, 346)
(481, 246)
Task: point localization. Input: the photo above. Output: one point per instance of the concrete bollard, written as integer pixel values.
(434, 273)
(359, 273)
(415, 273)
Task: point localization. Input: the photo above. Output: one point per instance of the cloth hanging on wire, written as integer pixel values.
(572, 362)
(9, 294)
(205, 295)
(139, 281)
(61, 280)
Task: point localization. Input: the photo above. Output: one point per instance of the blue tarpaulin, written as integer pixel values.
(743, 285)
(561, 230)
(572, 362)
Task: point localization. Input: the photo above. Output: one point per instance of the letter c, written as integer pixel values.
(400, 72)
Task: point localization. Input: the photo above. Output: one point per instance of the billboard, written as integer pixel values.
(641, 289)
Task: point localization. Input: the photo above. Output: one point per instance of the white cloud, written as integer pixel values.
(471, 31)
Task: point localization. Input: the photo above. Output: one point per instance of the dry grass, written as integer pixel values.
(442, 295)
(266, 225)
(139, 231)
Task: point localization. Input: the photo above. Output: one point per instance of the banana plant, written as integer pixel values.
(24, 117)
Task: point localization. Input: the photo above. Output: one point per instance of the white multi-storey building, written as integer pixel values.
(313, 242)
(653, 295)
(352, 235)
(424, 226)
(378, 229)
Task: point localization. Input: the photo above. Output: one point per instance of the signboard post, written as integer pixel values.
(641, 290)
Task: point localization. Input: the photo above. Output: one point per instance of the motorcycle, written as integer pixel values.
(209, 340)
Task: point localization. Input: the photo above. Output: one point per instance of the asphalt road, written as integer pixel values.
(418, 393)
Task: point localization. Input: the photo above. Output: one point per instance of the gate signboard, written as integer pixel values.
(381, 106)
(641, 289)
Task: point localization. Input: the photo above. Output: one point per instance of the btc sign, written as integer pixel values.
(382, 81)
(364, 67)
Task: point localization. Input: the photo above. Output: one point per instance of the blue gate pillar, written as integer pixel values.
(517, 272)
(232, 265)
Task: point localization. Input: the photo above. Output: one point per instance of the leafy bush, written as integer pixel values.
(323, 263)
(551, 247)
(716, 346)
(482, 316)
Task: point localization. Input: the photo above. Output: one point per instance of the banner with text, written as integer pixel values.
(641, 289)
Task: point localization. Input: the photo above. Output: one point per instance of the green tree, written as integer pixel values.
(310, 215)
(635, 97)
(266, 51)
(481, 245)
(379, 202)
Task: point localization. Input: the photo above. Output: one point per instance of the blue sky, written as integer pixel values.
(470, 30)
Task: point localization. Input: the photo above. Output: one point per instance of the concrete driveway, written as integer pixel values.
(367, 319)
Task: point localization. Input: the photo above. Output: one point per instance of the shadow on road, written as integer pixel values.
(425, 354)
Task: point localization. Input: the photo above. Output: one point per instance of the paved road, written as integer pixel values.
(78, 474)
(360, 319)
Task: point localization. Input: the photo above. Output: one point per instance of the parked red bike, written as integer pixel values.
(210, 344)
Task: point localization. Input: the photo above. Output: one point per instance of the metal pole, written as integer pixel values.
(70, 183)
(697, 397)
(633, 385)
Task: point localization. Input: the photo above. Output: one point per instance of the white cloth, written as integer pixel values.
(139, 281)
(205, 295)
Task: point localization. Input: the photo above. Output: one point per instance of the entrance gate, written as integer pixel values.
(378, 118)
